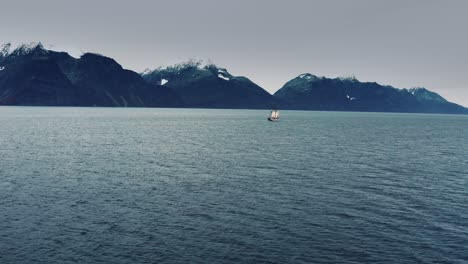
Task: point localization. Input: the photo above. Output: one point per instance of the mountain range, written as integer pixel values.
(33, 75)
(310, 92)
(208, 86)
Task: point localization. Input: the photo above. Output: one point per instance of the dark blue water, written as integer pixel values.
(97, 185)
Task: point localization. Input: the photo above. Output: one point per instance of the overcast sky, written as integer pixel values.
(403, 43)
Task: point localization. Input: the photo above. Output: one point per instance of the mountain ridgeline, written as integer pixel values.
(31, 75)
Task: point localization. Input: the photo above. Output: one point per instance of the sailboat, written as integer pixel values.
(274, 116)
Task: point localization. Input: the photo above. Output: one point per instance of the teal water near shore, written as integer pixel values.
(123, 185)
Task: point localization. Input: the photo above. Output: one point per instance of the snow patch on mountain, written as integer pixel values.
(350, 98)
(146, 71)
(164, 81)
(2, 68)
(223, 77)
(305, 76)
(223, 74)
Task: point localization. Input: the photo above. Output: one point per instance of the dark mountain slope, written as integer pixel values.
(310, 92)
(211, 87)
(32, 75)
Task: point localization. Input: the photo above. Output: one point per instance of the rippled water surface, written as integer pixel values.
(95, 185)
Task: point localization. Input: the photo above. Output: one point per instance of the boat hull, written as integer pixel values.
(273, 119)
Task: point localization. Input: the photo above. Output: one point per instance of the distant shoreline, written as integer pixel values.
(233, 109)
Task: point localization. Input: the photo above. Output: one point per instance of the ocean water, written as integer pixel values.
(104, 185)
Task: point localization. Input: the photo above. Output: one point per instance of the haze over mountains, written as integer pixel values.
(33, 75)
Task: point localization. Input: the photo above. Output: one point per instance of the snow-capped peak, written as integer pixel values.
(351, 78)
(202, 68)
(308, 76)
(176, 67)
(5, 49)
(23, 49)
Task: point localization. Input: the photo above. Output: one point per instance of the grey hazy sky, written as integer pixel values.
(404, 43)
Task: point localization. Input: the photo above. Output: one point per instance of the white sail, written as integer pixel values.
(274, 114)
